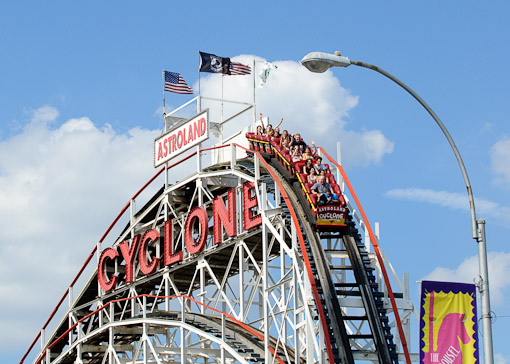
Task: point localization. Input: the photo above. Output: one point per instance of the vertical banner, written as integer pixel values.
(448, 324)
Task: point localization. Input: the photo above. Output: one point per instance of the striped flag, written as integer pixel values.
(175, 83)
(237, 68)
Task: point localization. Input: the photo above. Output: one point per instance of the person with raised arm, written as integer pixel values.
(277, 127)
(284, 136)
(286, 143)
(262, 122)
(307, 154)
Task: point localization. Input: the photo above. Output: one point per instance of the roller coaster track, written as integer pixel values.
(107, 324)
(364, 284)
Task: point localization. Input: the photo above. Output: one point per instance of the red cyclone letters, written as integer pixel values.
(195, 247)
(107, 284)
(250, 220)
(196, 228)
(146, 268)
(223, 217)
(170, 256)
(129, 254)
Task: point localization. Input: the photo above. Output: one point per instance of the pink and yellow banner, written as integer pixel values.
(448, 325)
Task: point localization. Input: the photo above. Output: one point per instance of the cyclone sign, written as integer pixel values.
(138, 259)
(331, 215)
(182, 138)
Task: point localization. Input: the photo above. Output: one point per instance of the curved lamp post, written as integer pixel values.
(320, 62)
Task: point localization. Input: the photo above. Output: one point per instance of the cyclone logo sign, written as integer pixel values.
(330, 215)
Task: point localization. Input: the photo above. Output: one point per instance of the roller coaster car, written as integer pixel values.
(329, 217)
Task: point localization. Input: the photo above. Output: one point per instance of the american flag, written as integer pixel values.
(175, 83)
(239, 69)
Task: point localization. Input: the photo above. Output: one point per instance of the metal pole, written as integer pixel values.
(164, 111)
(254, 86)
(199, 64)
(484, 294)
(478, 227)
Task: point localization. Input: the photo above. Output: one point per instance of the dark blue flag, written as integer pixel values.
(214, 64)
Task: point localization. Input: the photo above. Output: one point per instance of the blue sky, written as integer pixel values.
(81, 89)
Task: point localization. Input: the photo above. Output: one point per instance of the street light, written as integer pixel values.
(320, 62)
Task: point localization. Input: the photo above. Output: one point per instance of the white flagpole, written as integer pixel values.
(254, 104)
(222, 97)
(164, 110)
(199, 100)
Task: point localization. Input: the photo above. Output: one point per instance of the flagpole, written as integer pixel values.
(199, 100)
(254, 104)
(222, 98)
(165, 130)
(164, 109)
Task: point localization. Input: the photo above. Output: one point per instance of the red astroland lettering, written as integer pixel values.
(173, 143)
(145, 267)
(170, 256)
(195, 247)
(249, 202)
(179, 139)
(223, 217)
(160, 151)
(165, 147)
(105, 282)
(196, 129)
(190, 133)
(202, 126)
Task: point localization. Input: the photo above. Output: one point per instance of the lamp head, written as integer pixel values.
(320, 62)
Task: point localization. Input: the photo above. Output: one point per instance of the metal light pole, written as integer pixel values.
(320, 62)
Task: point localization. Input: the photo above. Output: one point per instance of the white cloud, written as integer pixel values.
(316, 105)
(500, 359)
(452, 200)
(500, 160)
(44, 114)
(60, 187)
(467, 272)
(368, 147)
